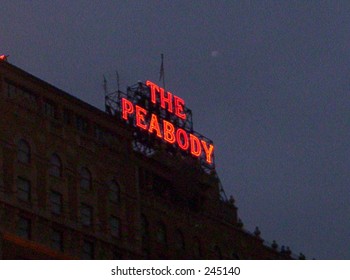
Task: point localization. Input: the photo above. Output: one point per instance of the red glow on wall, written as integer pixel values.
(3, 57)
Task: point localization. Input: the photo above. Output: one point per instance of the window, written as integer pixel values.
(99, 133)
(114, 192)
(86, 215)
(27, 94)
(23, 151)
(56, 202)
(1, 180)
(23, 189)
(49, 109)
(88, 250)
(11, 90)
(24, 228)
(16, 91)
(179, 240)
(85, 179)
(81, 124)
(115, 226)
(145, 178)
(67, 116)
(57, 240)
(161, 233)
(55, 166)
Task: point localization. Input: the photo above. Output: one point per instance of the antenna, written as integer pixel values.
(118, 85)
(105, 85)
(161, 72)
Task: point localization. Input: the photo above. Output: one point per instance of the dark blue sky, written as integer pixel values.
(267, 81)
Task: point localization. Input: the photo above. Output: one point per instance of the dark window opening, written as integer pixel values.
(55, 166)
(144, 231)
(114, 192)
(88, 251)
(86, 215)
(23, 151)
(179, 241)
(24, 228)
(56, 203)
(161, 234)
(115, 226)
(81, 124)
(57, 240)
(85, 179)
(50, 109)
(23, 189)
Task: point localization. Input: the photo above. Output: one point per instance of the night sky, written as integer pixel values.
(267, 81)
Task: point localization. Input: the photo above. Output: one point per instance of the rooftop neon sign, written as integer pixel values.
(162, 115)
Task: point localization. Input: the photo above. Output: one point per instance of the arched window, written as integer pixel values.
(85, 179)
(161, 235)
(115, 226)
(55, 166)
(114, 192)
(23, 151)
(179, 240)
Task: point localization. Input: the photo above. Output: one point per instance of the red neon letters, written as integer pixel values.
(140, 117)
(163, 129)
(167, 98)
(169, 131)
(127, 107)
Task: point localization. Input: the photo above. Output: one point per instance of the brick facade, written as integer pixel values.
(72, 187)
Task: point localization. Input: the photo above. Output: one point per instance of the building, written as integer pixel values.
(72, 186)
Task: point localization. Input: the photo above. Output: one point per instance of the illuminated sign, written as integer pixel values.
(162, 115)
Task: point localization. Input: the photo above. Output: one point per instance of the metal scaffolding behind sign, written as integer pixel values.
(148, 143)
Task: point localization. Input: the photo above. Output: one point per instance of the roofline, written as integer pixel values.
(61, 92)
